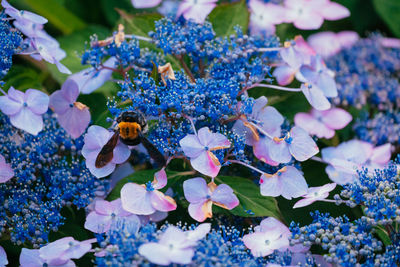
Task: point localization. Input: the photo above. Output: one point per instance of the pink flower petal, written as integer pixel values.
(104, 207)
(30, 257)
(195, 190)
(136, 199)
(160, 179)
(304, 202)
(37, 101)
(271, 120)
(161, 202)
(308, 20)
(121, 153)
(302, 146)
(199, 12)
(336, 118)
(6, 172)
(284, 74)
(75, 121)
(223, 195)
(199, 211)
(324, 43)
(206, 163)
(347, 38)
(28, 121)
(261, 151)
(381, 154)
(334, 11)
(99, 172)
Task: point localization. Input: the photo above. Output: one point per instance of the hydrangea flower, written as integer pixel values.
(294, 55)
(106, 214)
(319, 75)
(95, 138)
(296, 143)
(315, 194)
(202, 196)
(349, 156)
(315, 96)
(198, 147)
(73, 116)
(146, 199)
(269, 236)
(89, 80)
(63, 250)
(323, 123)
(310, 14)
(23, 15)
(328, 44)
(264, 16)
(25, 109)
(196, 10)
(288, 182)
(174, 246)
(6, 172)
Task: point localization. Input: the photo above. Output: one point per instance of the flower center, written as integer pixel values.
(288, 138)
(206, 148)
(25, 104)
(71, 105)
(149, 186)
(267, 242)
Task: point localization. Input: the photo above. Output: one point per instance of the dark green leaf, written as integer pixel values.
(57, 15)
(383, 235)
(226, 16)
(252, 203)
(389, 10)
(22, 77)
(109, 9)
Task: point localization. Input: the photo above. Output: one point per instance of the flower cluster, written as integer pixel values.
(49, 174)
(10, 41)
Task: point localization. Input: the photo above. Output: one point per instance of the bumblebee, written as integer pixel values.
(130, 129)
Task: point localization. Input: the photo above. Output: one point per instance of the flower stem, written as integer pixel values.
(278, 87)
(247, 165)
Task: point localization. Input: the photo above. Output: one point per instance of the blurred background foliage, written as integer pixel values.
(72, 22)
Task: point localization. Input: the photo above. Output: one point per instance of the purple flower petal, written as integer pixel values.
(98, 223)
(161, 257)
(160, 179)
(37, 101)
(223, 196)
(315, 97)
(3, 257)
(334, 11)
(278, 150)
(22, 15)
(381, 154)
(28, 121)
(12, 103)
(302, 146)
(336, 118)
(70, 91)
(30, 258)
(191, 146)
(293, 182)
(313, 126)
(196, 10)
(103, 207)
(199, 232)
(195, 190)
(75, 121)
(6, 172)
(261, 151)
(58, 102)
(270, 186)
(136, 199)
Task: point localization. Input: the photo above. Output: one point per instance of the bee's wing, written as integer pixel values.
(152, 150)
(106, 153)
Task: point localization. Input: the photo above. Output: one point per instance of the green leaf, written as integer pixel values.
(389, 11)
(23, 77)
(226, 16)
(74, 45)
(383, 235)
(252, 203)
(57, 15)
(109, 8)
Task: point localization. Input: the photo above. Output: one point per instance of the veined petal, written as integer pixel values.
(294, 183)
(37, 101)
(75, 121)
(98, 223)
(278, 151)
(160, 179)
(161, 257)
(195, 190)
(58, 102)
(136, 199)
(336, 118)
(201, 210)
(9, 106)
(313, 126)
(270, 186)
(315, 97)
(284, 74)
(302, 146)
(70, 90)
(223, 196)
(191, 146)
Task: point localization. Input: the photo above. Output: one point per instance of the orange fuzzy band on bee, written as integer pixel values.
(129, 130)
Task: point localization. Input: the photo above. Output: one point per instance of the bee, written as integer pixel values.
(130, 130)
